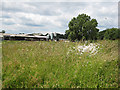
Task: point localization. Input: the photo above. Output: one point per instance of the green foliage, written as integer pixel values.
(101, 34)
(111, 34)
(81, 26)
(62, 36)
(46, 65)
(3, 31)
(67, 32)
(72, 36)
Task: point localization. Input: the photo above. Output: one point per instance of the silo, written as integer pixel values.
(51, 36)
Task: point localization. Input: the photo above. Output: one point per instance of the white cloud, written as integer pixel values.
(61, 1)
(54, 17)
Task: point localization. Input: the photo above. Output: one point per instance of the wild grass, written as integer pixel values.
(0, 65)
(41, 64)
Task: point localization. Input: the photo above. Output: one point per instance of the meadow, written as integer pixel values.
(43, 64)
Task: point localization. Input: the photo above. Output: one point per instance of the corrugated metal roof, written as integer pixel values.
(24, 35)
(38, 36)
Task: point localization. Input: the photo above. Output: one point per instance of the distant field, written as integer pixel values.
(34, 64)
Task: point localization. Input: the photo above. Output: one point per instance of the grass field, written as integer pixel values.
(0, 65)
(42, 64)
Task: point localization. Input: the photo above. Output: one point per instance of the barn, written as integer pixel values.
(32, 37)
(26, 37)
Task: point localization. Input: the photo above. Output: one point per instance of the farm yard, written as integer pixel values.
(43, 64)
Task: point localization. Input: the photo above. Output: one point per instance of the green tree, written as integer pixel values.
(72, 36)
(101, 34)
(112, 34)
(82, 26)
(67, 32)
(3, 31)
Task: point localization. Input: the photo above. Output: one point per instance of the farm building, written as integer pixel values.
(26, 37)
(31, 37)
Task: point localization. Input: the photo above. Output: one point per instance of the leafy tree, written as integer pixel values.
(82, 26)
(112, 34)
(3, 31)
(67, 32)
(72, 36)
(101, 34)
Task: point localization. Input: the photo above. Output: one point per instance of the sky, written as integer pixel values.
(51, 16)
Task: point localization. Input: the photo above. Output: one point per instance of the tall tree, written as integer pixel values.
(3, 31)
(112, 34)
(82, 26)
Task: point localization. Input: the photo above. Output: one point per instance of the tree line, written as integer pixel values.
(111, 34)
(83, 27)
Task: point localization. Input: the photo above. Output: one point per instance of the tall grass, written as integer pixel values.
(33, 64)
(0, 65)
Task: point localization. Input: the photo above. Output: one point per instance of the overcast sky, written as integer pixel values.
(29, 17)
